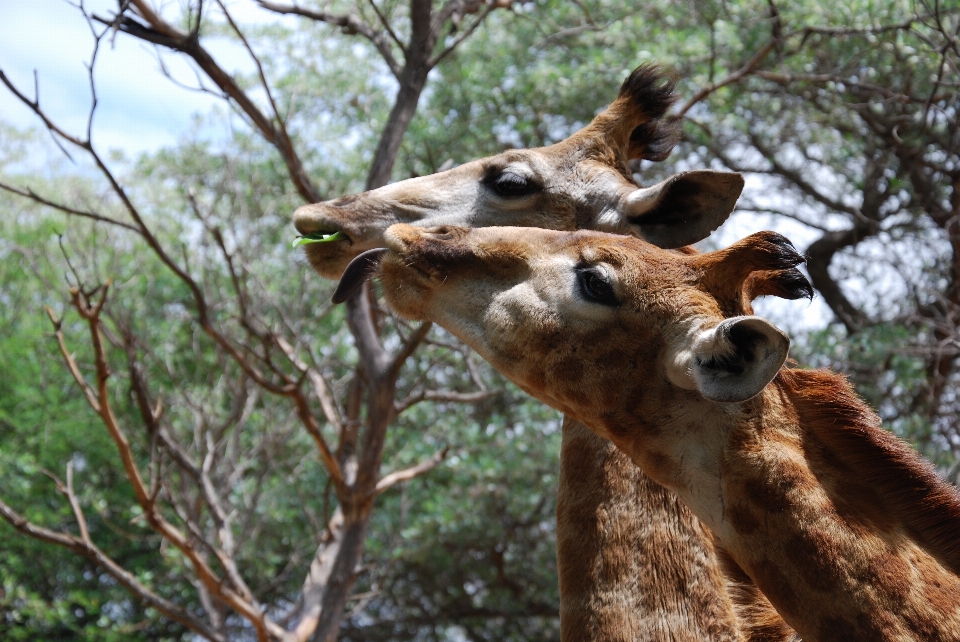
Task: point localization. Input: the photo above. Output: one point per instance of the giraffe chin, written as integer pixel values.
(408, 289)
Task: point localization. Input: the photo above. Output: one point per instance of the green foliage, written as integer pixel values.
(467, 551)
(49, 593)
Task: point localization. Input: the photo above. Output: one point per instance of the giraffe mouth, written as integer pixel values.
(360, 270)
(319, 237)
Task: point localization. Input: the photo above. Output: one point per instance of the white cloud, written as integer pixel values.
(139, 109)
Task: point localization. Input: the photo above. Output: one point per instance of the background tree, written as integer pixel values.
(249, 355)
(257, 419)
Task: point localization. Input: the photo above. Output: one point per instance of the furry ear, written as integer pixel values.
(681, 210)
(730, 362)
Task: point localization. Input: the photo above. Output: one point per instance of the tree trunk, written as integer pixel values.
(343, 574)
(412, 82)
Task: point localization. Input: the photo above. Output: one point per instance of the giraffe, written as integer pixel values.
(848, 531)
(633, 562)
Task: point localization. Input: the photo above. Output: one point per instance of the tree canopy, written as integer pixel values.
(185, 419)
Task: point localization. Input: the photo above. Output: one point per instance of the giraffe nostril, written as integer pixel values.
(441, 233)
(343, 201)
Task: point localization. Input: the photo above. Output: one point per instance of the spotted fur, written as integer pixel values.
(842, 526)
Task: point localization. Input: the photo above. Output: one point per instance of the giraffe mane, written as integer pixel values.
(910, 489)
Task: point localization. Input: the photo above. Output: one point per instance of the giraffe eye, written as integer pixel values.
(509, 184)
(596, 287)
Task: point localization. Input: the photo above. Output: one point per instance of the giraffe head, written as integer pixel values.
(603, 327)
(582, 182)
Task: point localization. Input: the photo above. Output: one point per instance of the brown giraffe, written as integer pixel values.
(848, 532)
(634, 563)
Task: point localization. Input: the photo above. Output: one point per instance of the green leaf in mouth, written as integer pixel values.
(319, 237)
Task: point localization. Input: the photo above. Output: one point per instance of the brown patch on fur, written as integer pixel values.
(815, 557)
(890, 574)
(659, 465)
(760, 622)
(836, 628)
(765, 496)
(778, 494)
(882, 622)
(743, 518)
(942, 598)
(922, 627)
(777, 586)
(794, 477)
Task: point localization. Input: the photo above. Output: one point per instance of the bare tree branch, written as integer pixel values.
(320, 386)
(748, 68)
(71, 363)
(386, 25)
(394, 478)
(409, 347)
(30, 194)
(124, 577)
(284, 135)
(350, 23)
(444, 396)
(463, 35)
(786, 79)
(160, 32)
(90, 311)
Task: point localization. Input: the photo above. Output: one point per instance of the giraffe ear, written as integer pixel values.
(732, 361)
(683, 209)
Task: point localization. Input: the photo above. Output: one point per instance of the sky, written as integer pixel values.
(139, 109)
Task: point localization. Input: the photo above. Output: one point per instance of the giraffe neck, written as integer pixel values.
(843, 527)
(634, 563)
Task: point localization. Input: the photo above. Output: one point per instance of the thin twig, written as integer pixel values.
(348, 22)
(444, 396)
(124, 577)
(746, 69)
(29, 193)
(394, 478)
